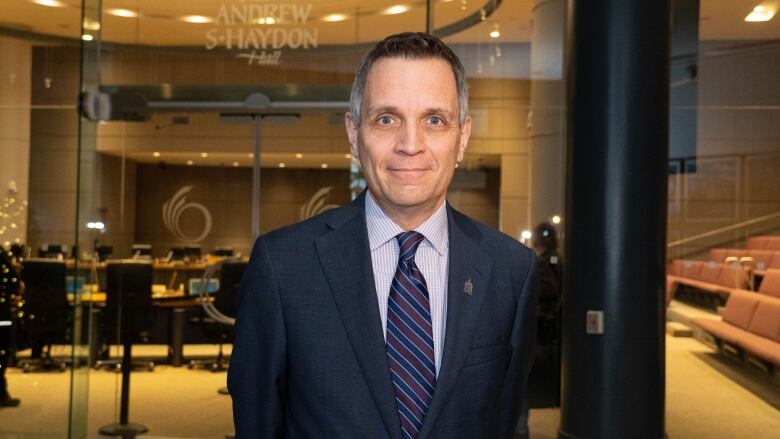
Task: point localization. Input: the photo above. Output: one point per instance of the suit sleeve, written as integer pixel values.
(257, 377)
(523, 341)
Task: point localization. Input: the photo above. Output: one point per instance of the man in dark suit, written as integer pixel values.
(395, 316)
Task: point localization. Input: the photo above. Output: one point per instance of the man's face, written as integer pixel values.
(409, 138)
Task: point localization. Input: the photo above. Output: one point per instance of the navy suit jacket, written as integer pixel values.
(309, 357)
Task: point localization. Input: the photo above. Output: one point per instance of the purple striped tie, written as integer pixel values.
(410, 338)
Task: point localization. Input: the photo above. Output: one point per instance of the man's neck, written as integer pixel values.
(408, 218)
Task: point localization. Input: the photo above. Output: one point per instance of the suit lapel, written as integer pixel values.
(346, 260)
(466, 262)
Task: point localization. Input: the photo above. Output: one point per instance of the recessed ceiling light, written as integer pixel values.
(282, 165)
(397, 9)
(556, 219)
(52, 3)
(323, 165)
(198, 19)
(335, 17)
(235, 164)
(87, 37)
(127, 13)
(250, 155)
(90, 24)
(190, 162)
(347, 156)
(204, 154)
(760, 13)
(155, 154)
(495, 34)
(299, 156)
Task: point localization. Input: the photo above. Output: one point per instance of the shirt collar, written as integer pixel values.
(382, 229)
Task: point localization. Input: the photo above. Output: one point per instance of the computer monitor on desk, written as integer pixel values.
(53, 251)
(104, 252)
(175, 254)
(226, 252)
(192, 253)
(141, 251)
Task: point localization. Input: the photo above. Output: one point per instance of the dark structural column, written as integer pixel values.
(618, 102)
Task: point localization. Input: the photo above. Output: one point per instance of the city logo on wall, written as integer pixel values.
(261, 29)
(316, 204)
(173, 209)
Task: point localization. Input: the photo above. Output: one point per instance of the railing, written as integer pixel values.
(748, 226)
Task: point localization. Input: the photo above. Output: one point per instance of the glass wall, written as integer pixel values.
(39, 144)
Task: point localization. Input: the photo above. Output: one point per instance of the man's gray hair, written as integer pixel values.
(410, 45)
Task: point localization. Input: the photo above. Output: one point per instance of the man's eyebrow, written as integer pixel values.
(383, 109)
(438, 110)
(395, 110)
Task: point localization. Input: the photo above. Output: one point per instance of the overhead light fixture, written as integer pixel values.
(266, 20)
(495, 33)
(90, 24)
(335, 17)
(762, 12)
(87, 37)
(127, 13)
(204, 154)
(324, 165)
(190, 163)
(556, 219)
(250, 155)
(197, 19)
(347, 156)
(51, 3)
(282, 165)
(235, 164)
(156, 154)
(299, 156)
(397, 9)
(96, 225)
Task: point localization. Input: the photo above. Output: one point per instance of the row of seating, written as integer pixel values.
(762, 259)
(709, 283)
(763, 243)
(750, 327)
(708, 276)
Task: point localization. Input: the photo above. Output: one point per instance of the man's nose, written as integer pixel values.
(411, 141)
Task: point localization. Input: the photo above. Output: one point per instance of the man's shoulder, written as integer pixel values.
(309, 230)
(495, 243)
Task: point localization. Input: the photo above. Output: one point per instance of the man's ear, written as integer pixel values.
(352, 133)
(465, 133)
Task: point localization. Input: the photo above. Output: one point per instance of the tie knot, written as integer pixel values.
(408, 243)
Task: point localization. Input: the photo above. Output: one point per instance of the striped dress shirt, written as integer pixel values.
(432, 259)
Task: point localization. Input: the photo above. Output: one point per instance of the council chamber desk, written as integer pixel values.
(177, 315)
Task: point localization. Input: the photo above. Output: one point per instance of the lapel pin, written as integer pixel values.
(468, 287)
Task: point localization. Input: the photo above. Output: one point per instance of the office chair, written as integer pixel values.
(45, 313)
(127, 315)
(218, 317)
(128, 310)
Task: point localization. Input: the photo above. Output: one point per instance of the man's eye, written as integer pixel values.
(435, 120)
(385, 120)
